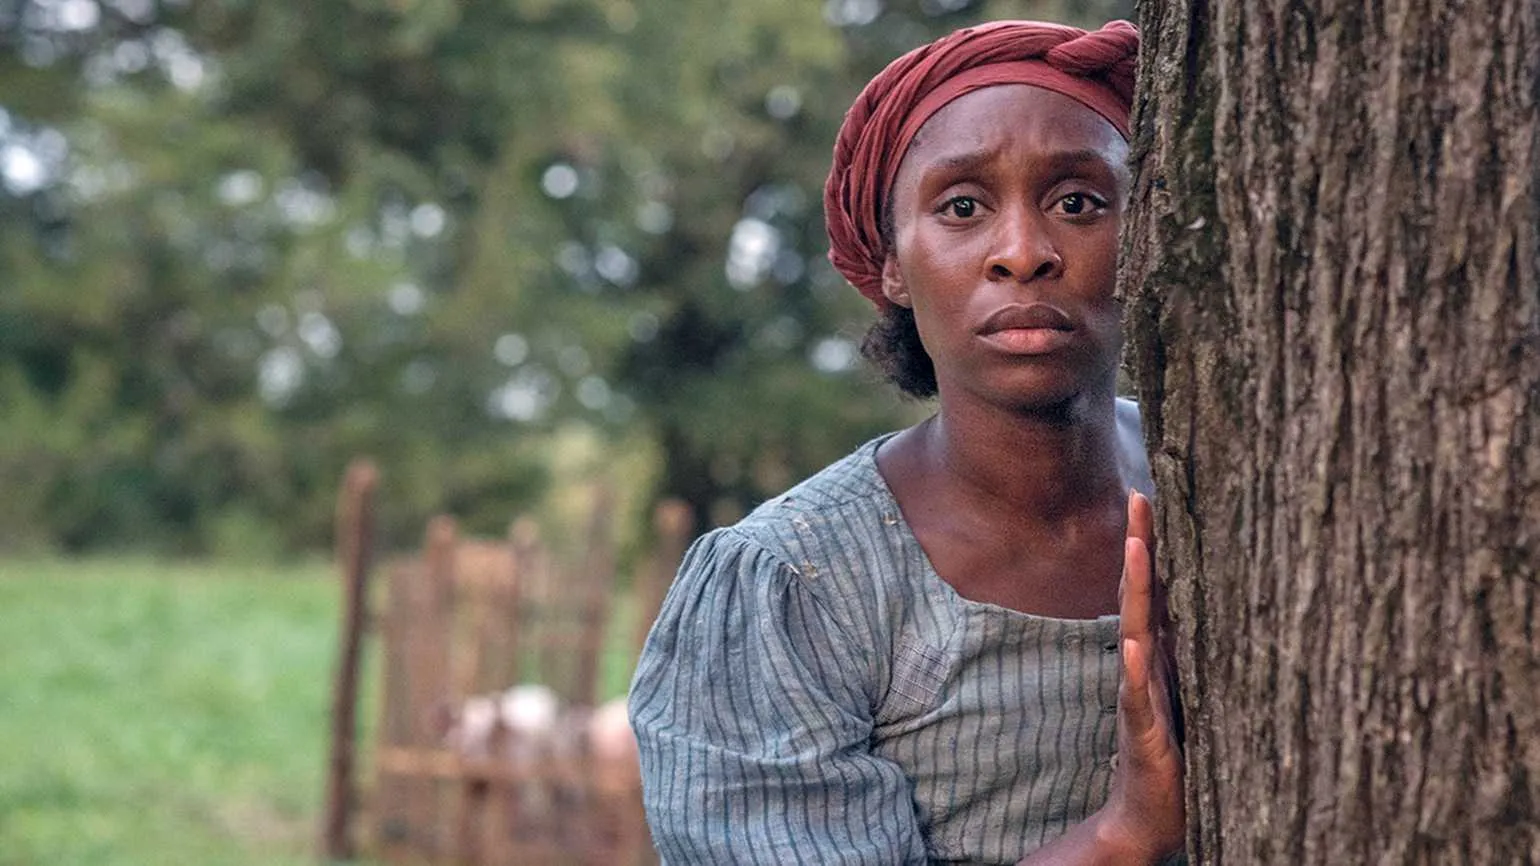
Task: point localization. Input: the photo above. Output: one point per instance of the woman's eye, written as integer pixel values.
(962, 207)
(1079, 203)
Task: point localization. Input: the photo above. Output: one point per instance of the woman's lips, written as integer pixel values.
(1029, 341)
(1028, 329)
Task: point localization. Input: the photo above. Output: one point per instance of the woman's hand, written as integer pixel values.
(1145, 813)
(1144, 818)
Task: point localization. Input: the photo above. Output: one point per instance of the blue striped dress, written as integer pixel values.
(813, 692)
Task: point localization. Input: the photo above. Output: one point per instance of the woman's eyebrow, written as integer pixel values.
(966, 161)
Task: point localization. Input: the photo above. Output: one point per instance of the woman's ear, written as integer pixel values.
(893, 287)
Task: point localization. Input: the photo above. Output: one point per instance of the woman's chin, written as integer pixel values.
(1051, 396)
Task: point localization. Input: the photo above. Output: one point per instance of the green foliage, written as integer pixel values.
(444, 234)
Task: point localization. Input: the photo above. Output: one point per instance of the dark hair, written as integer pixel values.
(893, 346)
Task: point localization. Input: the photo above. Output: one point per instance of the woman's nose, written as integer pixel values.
(1023, 249)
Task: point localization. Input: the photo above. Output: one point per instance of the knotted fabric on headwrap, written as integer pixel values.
(1094, 68)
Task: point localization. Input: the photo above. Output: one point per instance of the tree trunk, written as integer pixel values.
(1332, 275)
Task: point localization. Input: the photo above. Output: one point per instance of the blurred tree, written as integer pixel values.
(254, 239)
(701, 188)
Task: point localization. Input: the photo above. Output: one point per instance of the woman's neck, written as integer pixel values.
(1041, 466)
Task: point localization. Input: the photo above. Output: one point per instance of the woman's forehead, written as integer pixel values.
(1016, 118)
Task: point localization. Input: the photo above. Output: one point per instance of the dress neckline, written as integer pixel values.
(893, 516)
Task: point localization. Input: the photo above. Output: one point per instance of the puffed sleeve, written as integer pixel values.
(752, 706)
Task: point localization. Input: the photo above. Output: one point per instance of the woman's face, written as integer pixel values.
(1005, 236)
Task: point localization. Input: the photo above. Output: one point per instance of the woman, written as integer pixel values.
(915, 655)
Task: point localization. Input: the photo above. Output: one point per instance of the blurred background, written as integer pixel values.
(507, 249)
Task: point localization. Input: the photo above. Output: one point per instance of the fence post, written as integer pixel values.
(355, 543)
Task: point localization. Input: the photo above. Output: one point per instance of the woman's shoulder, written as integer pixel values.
(830, 556)
(837, 535)
(845, 504)
(1133, 463)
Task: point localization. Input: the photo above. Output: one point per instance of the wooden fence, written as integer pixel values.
(459, 625)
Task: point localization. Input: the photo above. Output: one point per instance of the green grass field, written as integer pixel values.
(155, 713)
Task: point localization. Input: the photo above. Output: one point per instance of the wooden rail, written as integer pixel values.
(472, 618)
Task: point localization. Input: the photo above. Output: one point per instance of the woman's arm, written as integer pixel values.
(1144, 818)
(752, 711)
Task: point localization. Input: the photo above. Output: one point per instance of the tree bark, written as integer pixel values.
(1332, 276)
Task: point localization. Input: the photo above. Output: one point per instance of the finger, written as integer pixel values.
(1138, 642)
(1141, 518)
(1163, 673)
(1134, 601)
(1135, 707)
(1139, 524)
(1141, 521)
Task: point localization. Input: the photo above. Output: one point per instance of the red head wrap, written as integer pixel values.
(1095, 69)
